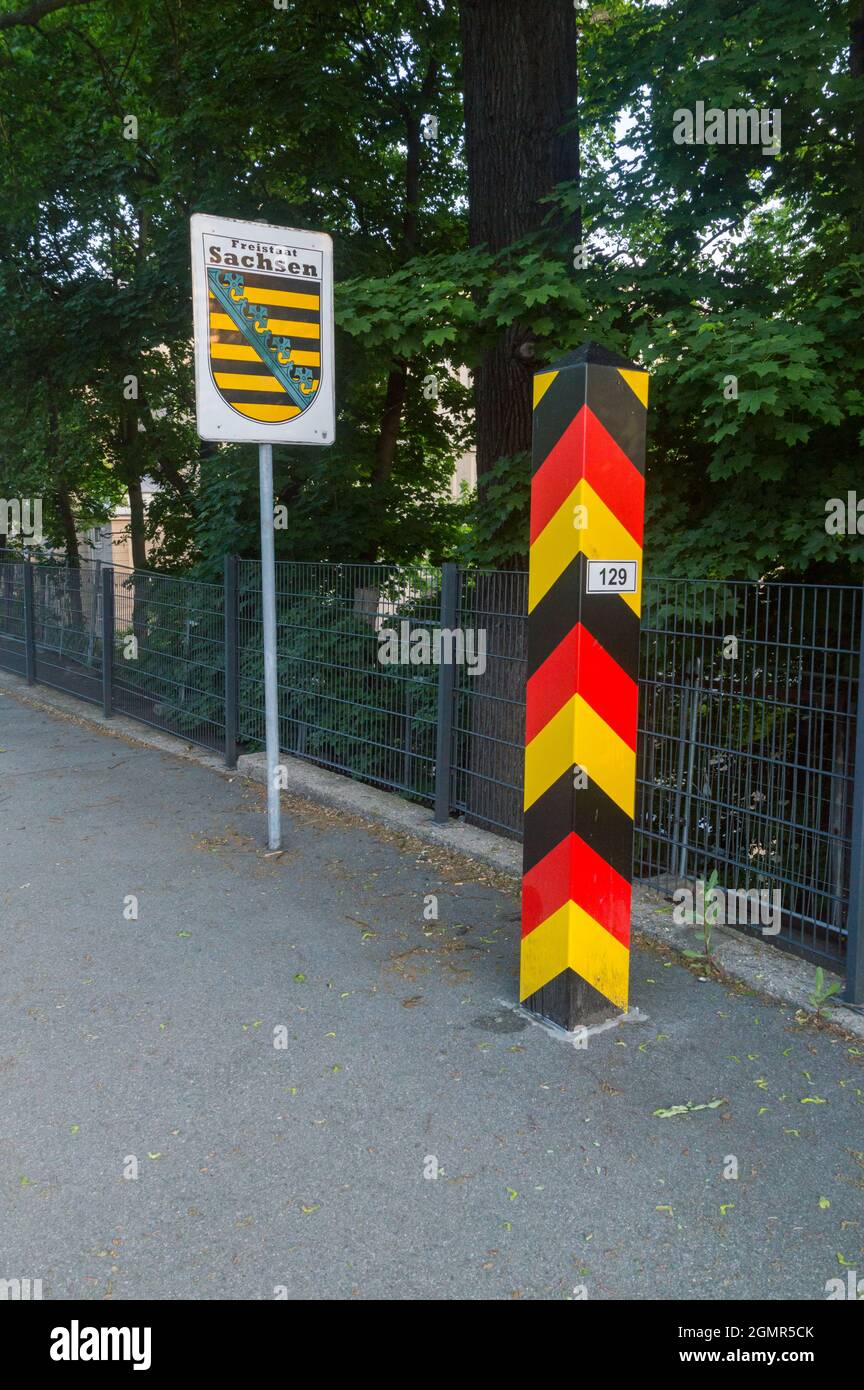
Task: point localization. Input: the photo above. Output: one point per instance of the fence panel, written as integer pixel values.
(66, 606)
(748, 695)
(489, 717)
(12, 653)
(339, 704)
(169, 654)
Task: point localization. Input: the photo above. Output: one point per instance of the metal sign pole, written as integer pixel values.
(268, 615)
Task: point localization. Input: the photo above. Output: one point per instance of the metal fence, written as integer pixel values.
(750, 755)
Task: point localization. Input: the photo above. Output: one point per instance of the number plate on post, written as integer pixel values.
(611, 577)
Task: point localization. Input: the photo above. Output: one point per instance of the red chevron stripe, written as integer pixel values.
(572, 870)
(587, 450)
(580, 663)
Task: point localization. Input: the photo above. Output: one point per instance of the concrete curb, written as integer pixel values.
(359, 799)
(745, 960)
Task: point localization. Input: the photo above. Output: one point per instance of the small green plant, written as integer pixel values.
(704, 919)
(821, 994)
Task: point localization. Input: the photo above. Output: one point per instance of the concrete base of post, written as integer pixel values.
(571, 1003)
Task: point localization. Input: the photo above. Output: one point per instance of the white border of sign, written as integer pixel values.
(598, 581)
(215, 418)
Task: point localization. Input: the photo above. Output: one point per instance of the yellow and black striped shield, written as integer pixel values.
(265, 342)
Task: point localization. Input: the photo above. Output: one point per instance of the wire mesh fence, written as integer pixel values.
(169, 654)
(343, 703)
(66, 633)
(12, 627)
(748, 697)
(746, 761)
(489, 715)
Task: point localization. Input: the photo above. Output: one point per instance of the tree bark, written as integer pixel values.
(137, 523)
(519, 67)
(70, 535)
(391, 418)
(67, 519)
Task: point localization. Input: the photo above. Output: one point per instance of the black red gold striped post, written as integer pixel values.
(584, 600)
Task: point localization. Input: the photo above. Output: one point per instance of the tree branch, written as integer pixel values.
(38, 10)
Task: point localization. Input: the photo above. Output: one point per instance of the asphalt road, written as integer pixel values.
(148, 1043)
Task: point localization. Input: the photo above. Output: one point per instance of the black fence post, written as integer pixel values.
(29, 623)
(231, 672)
(446, 687)
(108, 640)
(854, 992)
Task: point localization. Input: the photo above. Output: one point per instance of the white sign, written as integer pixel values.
(263, 303)
(611, 577)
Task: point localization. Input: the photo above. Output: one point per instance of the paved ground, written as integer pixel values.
(303, 1166)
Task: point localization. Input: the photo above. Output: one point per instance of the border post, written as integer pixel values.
(584, 602)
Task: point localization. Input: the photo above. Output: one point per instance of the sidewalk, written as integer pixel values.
(303, 1166)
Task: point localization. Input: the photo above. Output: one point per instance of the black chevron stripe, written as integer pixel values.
(606, 616)
(607, 395)
(620, 412)
(593, 815)
(569, 1000)
(556, 410)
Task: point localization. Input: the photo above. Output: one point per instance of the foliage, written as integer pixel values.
(707, 263)
(822, 993)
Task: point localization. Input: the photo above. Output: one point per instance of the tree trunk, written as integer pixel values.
(67, 519)
(137, 523)
(70, 536)
(391, 418)
(520, 86)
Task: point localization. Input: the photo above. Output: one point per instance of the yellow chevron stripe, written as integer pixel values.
(603, 538)
(638, 383)
(577, 735)
(239, 353)
(286, 326)
(570, 937)
(287, 299)
(542, 382)
(273, 413)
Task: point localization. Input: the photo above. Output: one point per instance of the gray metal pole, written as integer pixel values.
(691, 755)
(108, 640)
(29, 622)
(230, 640)
(268, 615)
(446, 686)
